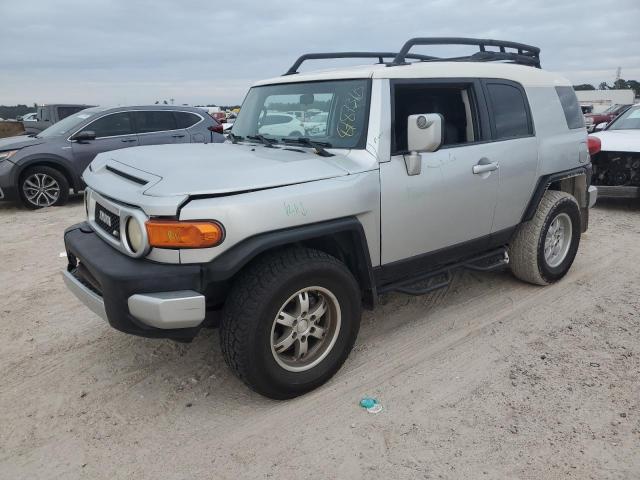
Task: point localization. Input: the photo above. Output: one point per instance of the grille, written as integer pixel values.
(107, 221)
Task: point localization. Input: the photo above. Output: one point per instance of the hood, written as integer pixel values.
(21, 141)
(220, 168)
(619, 140)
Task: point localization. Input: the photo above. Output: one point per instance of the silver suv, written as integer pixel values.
(424, 166)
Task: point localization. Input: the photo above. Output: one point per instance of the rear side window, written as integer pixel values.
(570, 106)
(154, 121)
(510, 113)
(186, 119)
(112, 125)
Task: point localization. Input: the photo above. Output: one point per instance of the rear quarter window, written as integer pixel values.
(509, 110)
(570, 106)
(186, 119)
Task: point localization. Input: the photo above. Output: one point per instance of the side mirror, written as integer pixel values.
(600, 126)
(84, 135)
(424, 134)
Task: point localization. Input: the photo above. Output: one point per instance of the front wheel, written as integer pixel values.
(43, 186)
(290, 322)
(543, 249)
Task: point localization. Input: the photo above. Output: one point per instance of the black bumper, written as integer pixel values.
(115, 277)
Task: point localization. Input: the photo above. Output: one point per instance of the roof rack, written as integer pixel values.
(523, 54)
(379, 55)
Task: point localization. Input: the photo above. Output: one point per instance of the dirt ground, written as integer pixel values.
(494, 379)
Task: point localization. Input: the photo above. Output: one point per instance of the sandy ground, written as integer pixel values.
(494, 379)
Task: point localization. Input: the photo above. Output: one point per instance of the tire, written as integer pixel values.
(528, 261)
(43, 186)
(249, 328)
(295, 134)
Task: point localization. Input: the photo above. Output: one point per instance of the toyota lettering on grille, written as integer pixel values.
(104, 217)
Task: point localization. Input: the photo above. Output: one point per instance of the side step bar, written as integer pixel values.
(421, 284)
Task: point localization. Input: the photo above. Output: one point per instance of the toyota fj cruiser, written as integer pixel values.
(425, 165)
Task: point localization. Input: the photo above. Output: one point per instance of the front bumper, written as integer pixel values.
(135, 296)
(8, 189)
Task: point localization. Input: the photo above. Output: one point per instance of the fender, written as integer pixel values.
(344, 232)
(52, 159)
(546, 180)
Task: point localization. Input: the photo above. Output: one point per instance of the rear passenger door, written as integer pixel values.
(158, 127)
(514, 149)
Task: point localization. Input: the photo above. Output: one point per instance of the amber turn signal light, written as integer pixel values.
(175, 234)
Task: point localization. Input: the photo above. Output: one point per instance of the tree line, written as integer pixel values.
(618, 84)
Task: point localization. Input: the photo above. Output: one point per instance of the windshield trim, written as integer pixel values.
(362, 142)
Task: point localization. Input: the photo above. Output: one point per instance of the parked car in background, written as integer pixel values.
(317, 124)
(592, 120)
(47, 115)
(40, 169)
(615, 154)
(29, 117)
(280, 124)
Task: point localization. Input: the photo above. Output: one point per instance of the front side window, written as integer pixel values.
(154, 121)
(629, 120)
(112, 125)
(454, 103)
(293, 110)
(509, 108)
(570, 106)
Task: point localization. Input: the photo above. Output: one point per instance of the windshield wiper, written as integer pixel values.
(307, 142)
(234, 138)
(268, 142)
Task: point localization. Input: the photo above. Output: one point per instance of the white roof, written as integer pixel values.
(527, 76)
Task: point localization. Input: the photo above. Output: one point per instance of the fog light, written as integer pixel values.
(135, 238)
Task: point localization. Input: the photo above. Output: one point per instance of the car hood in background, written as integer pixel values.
(619, 140)
(21, 141)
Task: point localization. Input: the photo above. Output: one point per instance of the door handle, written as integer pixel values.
(177, 136)
(127, 140)
(484, 168)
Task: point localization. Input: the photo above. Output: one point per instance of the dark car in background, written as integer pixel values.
(591, 120)
(41, 169)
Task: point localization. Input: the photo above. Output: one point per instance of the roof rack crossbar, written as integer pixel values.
(524, 55)
(379, 55)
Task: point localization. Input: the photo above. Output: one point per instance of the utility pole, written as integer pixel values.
(618, 73)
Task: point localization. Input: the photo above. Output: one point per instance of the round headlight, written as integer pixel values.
(135, 238)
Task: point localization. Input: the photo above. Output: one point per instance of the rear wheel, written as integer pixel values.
(290, 322)
(43, 186)
(544, 248)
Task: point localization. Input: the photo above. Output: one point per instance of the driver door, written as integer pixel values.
(447, 209)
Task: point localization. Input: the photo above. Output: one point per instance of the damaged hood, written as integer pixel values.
(219, 168)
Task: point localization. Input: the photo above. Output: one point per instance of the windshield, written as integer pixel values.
(67, 125)
(334, 113)
(629, 120)
(612, 108)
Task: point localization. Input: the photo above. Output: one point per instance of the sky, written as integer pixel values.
(115, 52)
